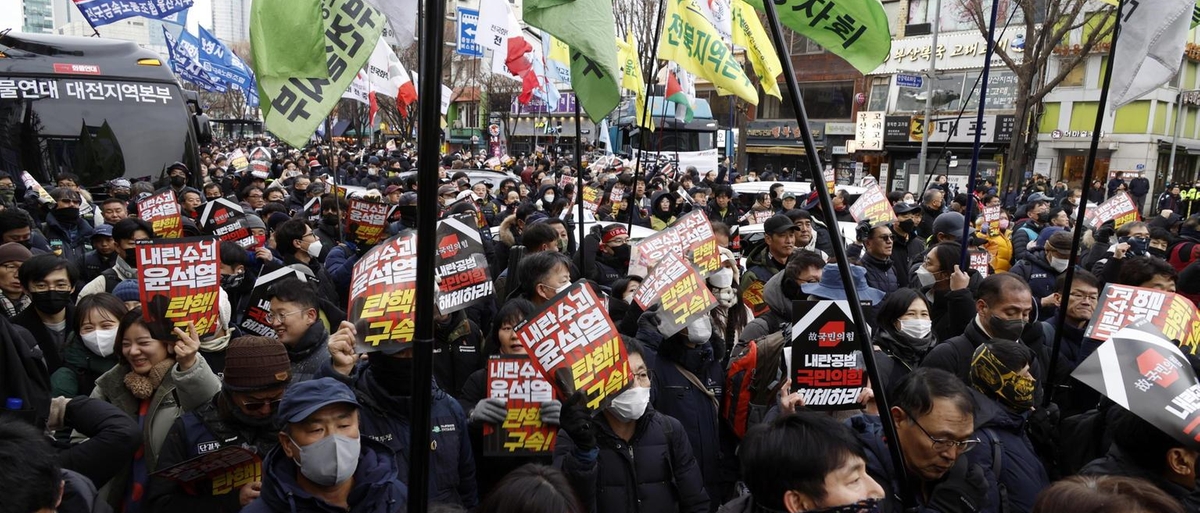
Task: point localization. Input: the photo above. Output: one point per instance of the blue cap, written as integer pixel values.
(104, 230)
(306, 397)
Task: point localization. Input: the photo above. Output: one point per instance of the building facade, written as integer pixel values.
(231, 20)
(37, 16)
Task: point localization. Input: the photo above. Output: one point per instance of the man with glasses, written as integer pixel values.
(877, 256)
(296, 318)
(299, 245)
(243, 414)
(49, 281)
(1083, 295)
(934, 414)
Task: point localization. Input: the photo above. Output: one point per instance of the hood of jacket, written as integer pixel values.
(508, 231)
(1037, 257)
(376, 483)
(776, 299)
(989, 413)
(657, 211)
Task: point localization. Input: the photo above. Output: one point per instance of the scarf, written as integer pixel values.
(142, 387)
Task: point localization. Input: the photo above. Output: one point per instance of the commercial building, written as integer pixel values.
(231, 20)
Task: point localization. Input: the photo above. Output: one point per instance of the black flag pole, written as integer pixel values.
(1077, 233)
(963, 258)
(579, 188)
(839, 251)
(429, 117)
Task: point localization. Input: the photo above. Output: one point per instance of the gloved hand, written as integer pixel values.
(489, 410)
(963, 491)
(576, 420)
(58, 410)
(551, 412)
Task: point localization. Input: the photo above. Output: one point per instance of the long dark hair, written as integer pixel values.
(513, 312)
(894, 306)
(532, 488)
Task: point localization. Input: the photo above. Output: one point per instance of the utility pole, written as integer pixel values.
(933, 53)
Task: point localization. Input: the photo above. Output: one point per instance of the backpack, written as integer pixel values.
(111, 280)
(754, 376)
(998, 468)
(1086, 432)
(1183, 254)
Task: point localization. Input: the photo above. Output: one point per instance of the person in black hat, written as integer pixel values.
(323, 463)
(906, 245)
(763, 262)
(177, 180)
(243, 413)
(1036, 217)
(102, 256)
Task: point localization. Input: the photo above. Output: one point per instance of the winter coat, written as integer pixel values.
(954, 355)
(309, 353)
(340, 266)
(1115, 463)
(1139, 187)
(79, 495)
(1025, 231)
(80, 370)
(1035, 271)
(1000, 246)
(881, 274)
(70, 242)
(457, 352)
(778, 311)
(903, 253)
(676, 395)
(895, 355)
(1095, 195)
(51, 352)
(111, 436)
(94, 263)
(384, 418)
(179, 392)
(1072, 396)
(730, 215)
(760, 267)
(377, 485)
(653, 472)
(1022, 474)
(202, 431)
(109, 278)
(328, 234)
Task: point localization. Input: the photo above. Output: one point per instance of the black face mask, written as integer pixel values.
(908, 225)
(67, 215)
(1159, 253)
(1007, 329)
(123, 196)
(178, 181)
(1043, 218)
(329, 218)
(232, 281)
(130, 257)
(51, 301)
(394, 375)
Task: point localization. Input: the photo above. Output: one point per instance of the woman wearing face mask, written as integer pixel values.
(997, 243)
(629, 457)
(730, 315)
(621, 298)
(155, 382)
(948, 289)
(662, 211)
(481, 411)
(93, 351)
(1004, 396)
(904, 335)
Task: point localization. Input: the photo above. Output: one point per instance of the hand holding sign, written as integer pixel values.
(187, 346)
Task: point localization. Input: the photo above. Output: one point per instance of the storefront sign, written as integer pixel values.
(1073, 134)
(896, 128)
(839, 128)
(956, 50)
(995, 129)
(869, 132)
(776, 132)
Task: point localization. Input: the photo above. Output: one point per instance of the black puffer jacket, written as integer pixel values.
(881, 274)
(654, 472)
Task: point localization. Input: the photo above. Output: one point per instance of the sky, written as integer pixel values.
(10, 14)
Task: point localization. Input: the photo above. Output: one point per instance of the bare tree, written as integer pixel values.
(1034, 78)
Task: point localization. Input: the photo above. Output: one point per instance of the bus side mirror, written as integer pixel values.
(203, 128)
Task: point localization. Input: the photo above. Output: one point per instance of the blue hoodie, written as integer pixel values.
(377, 487)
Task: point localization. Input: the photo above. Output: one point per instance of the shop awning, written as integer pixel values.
(1165, 145)
(776, 150)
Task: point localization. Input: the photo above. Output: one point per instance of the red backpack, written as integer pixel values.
(1181, 255)
(755, 374)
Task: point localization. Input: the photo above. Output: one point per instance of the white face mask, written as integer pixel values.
(628, 298)
(916, 328)
(562, 288)
(630, 404)
(100, 342)
(1059, 264)
(548, 199)
(700, 330)
(727, 296)
(314, 249)
(925, 277)
(448, 201)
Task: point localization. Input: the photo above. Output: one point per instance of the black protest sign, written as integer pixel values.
(826, 366)
(255, 320)
(227, 221)
(312, 210)
(462, 266)
(1143, 372)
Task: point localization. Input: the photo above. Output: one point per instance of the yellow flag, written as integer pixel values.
(748, 33)
(631, 79)
(692, 41)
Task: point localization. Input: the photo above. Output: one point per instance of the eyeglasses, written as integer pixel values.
(279, 317)
(885, 238)
(643, 378)
(258, 405)
(941, 444)
(57, 287)
(1090, 297)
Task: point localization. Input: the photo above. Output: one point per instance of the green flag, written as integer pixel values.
(286, 39)
(295, 106)
(587, 27)
(853, 30)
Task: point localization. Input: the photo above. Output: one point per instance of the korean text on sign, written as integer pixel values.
(383, 294)
(162, 212)
(228, 469)
(827, 368)
(367, 221)
(515, 380)
(575, 346)
(1121, 305)
(180, 282)
(873, 206)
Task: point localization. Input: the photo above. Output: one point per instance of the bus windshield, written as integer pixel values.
(98, 129)
(667, 140)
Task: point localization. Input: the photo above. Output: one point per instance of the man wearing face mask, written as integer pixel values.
(327, 230)
(1042, 267)
(1004, 307)
(630, 457)
(323, 463)
(49, 281)
(1037, 212)
(242, 414)
(608, 252)
(1133, 240)
(544, 275)
(689, 376)
(178, 176)
(299, 244)
(68, 234)
(383, 382)
(906, 244)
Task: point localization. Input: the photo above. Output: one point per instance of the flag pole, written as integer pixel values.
(839, 251)
(579, 188)
(643, 132)
(432, 30)
(987, 68)
(1077, 234)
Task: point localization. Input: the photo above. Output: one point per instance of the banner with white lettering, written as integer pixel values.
(179, 282)
(383, 292)
(826, 365)
(514, 379)
(462, 266)
(227, 221)
(255, 321)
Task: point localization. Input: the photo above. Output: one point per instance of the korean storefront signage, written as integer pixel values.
(869, 132)
(956, 50)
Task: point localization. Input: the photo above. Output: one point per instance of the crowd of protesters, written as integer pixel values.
(96, 404)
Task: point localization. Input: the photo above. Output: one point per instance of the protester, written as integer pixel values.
(13, 298)
(296, 317)
(803, 267)
(126, 233)
(1104, 494)
(50, 281)
(947, 288)
(905, 335)
(532, 488)
(93, 350)
(1143, 451)
(34, 482)
(770, 258)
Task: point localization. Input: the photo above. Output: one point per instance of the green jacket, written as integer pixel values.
(81, 368)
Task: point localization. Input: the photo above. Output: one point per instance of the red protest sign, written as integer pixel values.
(383, 292)
(162, 212)
(980, 261)
(228, 469)
(576, 346)
(829, 179)
(260, 169)
(179, 282)
(1122, 305)
(645, 254)
(698, 241)
(367, 221)
(238, 160)
(1119, 209)
(991, 217)
(873, 206)
(827, 366)
(255, 319)
(515, 380)
(682, 291)
(754, 300)
(226, 220)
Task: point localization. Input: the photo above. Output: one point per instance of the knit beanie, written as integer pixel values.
(256, 363)
(14, 252)
(127, 290)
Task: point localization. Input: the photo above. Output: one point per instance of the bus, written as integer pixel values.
(98, 108)
(689, 144)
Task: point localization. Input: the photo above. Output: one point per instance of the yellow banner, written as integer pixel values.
(692, 41)
(748, 33)
(631, 79)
